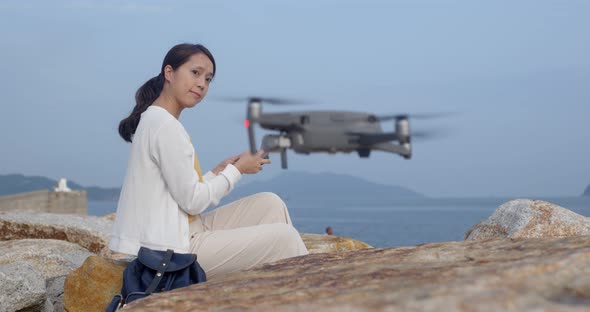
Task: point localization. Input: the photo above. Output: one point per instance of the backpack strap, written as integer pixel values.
(160, 273)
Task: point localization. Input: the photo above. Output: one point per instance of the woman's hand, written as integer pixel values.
(249, 164)
(224, 164)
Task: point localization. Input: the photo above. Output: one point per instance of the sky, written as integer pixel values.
(517, 73)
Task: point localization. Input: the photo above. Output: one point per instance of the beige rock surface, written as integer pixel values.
(525, 218)
(317, 243)
(548, 274)
(110, 216)
(52, 258)
(89, 232)
(92, 286)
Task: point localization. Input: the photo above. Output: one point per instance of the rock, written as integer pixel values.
(495, 275)
(21, 287)
(110, 216)
(93, 232)
(55, 293)
(587, 191)
(52, 259)
(92, 286)
(317, 243)
(89, 232)
(525, 218)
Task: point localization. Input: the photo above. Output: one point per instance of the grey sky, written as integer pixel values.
(517, 71)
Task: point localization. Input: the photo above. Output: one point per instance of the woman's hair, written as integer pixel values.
(150, 91)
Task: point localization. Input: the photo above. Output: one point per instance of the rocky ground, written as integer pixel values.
(39, 250)
(528, 256)
(494, 275)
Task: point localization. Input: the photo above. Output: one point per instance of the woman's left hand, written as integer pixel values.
(224, 164)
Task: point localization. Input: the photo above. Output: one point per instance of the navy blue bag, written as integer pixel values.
(156, 271)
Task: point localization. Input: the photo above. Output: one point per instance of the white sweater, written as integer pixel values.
(161, 187)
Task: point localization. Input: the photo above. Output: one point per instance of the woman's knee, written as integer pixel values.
(286, 233)
(271, 199)
(274, 205)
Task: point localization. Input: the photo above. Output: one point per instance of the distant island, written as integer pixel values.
(292, 186)
(587, 191)
(18, 183)
(303, 187)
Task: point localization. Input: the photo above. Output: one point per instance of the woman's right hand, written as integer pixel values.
(250, 164)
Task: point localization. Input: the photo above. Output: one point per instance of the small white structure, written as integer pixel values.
(62, 186)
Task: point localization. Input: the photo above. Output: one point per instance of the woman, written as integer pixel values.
(164, 187)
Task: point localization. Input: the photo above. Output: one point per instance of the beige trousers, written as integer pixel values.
(253, 230)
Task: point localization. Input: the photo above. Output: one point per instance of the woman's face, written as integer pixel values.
(190, 81)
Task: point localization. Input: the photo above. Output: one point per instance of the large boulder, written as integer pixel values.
(52, 258)
(92, 286)
(549, 274)
(21, 287)
(89, 232)
(525, 218)
(49, 261)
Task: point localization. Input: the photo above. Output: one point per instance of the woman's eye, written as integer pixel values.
(196, 72)
(208, 79)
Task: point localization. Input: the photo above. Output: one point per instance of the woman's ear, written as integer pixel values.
(168, 71)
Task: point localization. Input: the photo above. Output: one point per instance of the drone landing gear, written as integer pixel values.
(284, 158)
(404, 150)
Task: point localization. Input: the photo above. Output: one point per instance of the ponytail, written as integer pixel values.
(144, 97)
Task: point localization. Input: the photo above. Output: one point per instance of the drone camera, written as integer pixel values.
(274, 143)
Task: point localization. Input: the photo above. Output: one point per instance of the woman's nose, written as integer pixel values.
(201, 83)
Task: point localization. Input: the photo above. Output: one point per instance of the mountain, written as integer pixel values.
(300, 187)
(303, 187)
(18, 183)
(587, 191)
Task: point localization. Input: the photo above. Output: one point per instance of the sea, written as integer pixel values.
(403, 222)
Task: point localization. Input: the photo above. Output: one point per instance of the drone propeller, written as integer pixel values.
(414, 116)
(269, 100)
(431, 134)
(375, 118)
(376, 138)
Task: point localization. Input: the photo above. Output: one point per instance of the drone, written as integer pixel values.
(328, 131)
